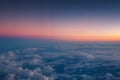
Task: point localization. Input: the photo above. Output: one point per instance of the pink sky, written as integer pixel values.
(72, 30)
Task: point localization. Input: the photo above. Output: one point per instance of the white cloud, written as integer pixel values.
(20, 68)
(35, 61)
(45, 78)
(87, 77)
(109, 76)
(35, 66)
(31, 73)
(11, 54)
(11, 76)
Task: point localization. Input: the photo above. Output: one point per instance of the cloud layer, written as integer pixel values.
(62, 62)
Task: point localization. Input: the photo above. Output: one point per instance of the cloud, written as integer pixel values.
(11, 76)
(30, 50)
(11, 54)
(64, 61)
(109, 76)
(87, 77)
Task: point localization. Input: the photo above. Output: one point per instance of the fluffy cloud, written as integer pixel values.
(11, 76)
(62, 61)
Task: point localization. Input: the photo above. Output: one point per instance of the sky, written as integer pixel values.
(69, 20)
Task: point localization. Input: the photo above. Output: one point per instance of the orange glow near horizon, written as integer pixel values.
(71, 31)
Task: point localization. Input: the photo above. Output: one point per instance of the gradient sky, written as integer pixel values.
(73, 20)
